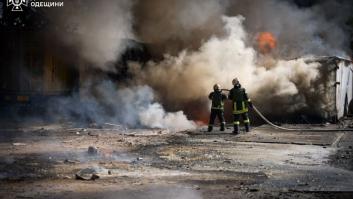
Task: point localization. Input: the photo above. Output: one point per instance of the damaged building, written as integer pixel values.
(334, 87)
(329, 96)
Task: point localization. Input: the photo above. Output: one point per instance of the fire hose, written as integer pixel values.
(292, 129)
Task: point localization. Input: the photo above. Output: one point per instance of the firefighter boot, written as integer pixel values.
(210, 128)
(247, 127)
(222, 126)
(236, 129)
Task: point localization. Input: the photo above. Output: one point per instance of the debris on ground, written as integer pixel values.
(92, 150)
(218, 165)
(19, 144)
(92, 173)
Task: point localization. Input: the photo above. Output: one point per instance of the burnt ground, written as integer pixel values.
(40, 161)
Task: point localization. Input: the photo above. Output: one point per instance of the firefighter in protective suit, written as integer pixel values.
(241, 104)
(217, 109)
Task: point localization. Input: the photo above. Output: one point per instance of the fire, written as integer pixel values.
(197, 112)
(266, 42)
(202, 118)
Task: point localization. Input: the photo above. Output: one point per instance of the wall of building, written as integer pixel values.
(31, 66)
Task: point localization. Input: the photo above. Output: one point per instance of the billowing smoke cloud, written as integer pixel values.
(100, 31)
(219, 54)
(179, 25)
(97, 29)
(175, 25)
(207, 42)
(106, 103)
(192, 74)
(317, 30)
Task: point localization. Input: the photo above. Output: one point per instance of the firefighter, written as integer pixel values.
(217, 109)
(241, 104)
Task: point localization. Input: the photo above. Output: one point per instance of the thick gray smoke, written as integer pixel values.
(175, 25)
(318, 30)
(222, 59)
(202, 42)
(97, 29)
(220, 54)
(178, 25)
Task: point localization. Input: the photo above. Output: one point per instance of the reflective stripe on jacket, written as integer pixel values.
(240, 100)
(217, 98)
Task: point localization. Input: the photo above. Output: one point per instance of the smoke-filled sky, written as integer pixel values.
(213, 41)
(171, 26)
(319, 29)
(202, 42)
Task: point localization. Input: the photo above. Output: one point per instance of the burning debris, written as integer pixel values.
(266, 42)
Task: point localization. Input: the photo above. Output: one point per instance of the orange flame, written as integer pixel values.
(266, 42)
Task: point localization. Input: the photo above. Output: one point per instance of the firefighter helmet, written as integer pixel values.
(217, 87)
(235, 81)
